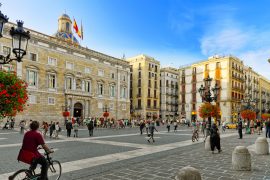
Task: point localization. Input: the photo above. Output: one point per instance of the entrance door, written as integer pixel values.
(78, 110)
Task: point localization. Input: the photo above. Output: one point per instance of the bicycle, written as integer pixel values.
(195, 135)
(55, 169)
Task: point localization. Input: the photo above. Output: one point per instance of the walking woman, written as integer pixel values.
(152, 128)
(214, 138)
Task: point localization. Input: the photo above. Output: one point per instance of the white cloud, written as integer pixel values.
(226, 41)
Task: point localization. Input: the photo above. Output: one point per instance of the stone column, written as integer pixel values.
(188, 173)
(241, 159)
(262, 146)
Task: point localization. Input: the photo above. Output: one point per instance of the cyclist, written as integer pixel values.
(32, 139)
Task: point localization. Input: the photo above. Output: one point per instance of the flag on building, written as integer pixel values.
(81, 31)
(75, 26)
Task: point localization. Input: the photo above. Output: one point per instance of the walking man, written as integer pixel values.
(214, 138)
(240, 127)
(168, 125)
(68, 128)
(152, 128)
(267, 127)
(52, 128)
(90, 127)
(141, 127)
(76, 129)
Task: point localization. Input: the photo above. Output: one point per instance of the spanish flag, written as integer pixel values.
(75, 26)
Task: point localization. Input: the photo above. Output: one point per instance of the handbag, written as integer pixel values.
(26, 156)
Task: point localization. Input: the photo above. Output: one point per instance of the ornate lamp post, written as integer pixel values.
(205, 92)
(248, 102)
(19, 40)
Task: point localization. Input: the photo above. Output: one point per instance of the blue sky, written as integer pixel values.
(175, 32)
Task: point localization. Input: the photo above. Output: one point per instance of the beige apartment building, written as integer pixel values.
(144, 87)
(226, 72)
(235, 81)
(60, 72)
(169, 92)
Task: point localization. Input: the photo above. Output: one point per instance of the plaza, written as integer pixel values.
(125, 154)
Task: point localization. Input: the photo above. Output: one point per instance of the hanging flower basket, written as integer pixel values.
(265, 116)
(208, 110)
(248, 114)
(66, 113)
(13, 94)
(106, 114)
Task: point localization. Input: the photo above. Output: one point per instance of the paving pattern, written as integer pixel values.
(125, 154)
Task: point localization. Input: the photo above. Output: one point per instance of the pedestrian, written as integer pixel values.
(251, 125)
(240, 127)
(152, 128)
(168, 126)
(141, 127)
(12, 123)
(203, 127)
(175, 126)
(267, 127)
(57, 130)
(68, 128)
(45, 127)
(223, 126)
(52, 128)
(258, 126)
(76, 129)
(214, 138)
(147, 124)
(90, 127)
(22, 126)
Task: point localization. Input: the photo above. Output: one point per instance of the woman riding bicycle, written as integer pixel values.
(32, 139)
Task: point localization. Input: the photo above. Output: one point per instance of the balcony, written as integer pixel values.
(78, 93)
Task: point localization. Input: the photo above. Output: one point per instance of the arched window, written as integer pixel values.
(67, 26)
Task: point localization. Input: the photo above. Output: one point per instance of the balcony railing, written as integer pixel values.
(78, 92)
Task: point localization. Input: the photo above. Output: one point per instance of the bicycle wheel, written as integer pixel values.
(22, 174)
(55, 170)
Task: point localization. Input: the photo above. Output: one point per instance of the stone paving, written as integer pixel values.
(164, 165)
(124, 154)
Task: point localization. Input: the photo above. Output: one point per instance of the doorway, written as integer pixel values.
(78, 110)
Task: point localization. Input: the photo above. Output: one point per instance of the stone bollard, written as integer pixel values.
(207, 144)
(261, 146)
(241, 160)
(188, 173)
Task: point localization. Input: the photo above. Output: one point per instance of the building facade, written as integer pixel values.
(235, 80)
(169, 92)
(145, 87)
(62, 74)
(220, 70)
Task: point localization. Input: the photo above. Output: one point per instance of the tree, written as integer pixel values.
(13, 94)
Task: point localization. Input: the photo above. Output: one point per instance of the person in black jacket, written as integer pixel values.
(240, 127)
(215, 138)
(90, 127)
(69, 128)
(52, 128)
(142, 125)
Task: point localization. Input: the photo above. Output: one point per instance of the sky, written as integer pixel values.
(175, 32)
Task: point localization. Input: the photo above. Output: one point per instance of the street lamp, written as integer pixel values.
(206, 95)
(19, 40)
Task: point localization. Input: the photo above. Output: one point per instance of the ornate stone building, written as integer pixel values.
(60, 72)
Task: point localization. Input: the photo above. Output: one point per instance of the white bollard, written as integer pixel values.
(241, 160)
(261, 146)
(188, 173)
(207, 144)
